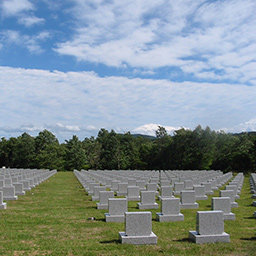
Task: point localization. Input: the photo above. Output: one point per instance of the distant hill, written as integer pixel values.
(242, 133)
(149, 137)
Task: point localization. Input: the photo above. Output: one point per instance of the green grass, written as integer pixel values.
(52, 219)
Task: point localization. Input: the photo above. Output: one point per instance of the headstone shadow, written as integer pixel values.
(249, 218)
(249, 239)
(114, 241)
(184, 240)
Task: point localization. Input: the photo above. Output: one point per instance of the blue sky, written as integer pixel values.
(75, 66)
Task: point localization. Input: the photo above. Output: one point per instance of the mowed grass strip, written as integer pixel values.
(53, 219)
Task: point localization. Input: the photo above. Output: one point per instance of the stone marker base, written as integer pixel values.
(254, 203)
(229, 216)
(209, 192)
(3, 206)
(102, 206)
(133, 198)
(201, 198)
(114, 218)
(234, 205)
(237, 197)
(203, 239)
(147, 206)
(189, 206)
(254, 214)
(166, 218)
(20, 193)
(176, 193)
(11, 198)
(138, 240)
(95, 198)
(163, 197)
(253, 196)
(121, 193)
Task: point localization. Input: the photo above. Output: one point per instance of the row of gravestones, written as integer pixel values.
(253, 189)
(94, 183)
(15, 182)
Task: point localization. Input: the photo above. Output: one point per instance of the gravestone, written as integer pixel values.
(108, 183)
(209, 228)
(2, 204)
(200, 192)
(133, 193)
(235, 188)
(188, 200)
(147, 200)
(152, 187)
(165, 183)
(138, 229)
(170, 210)
(141, 184)
(9, 191)
(104, 196)
(25, 183)
(116, 209)
(188, 184)
(208, 188)
(231, 194)
(131, 182)
(114, 185)
(122, 189)
(166, 192)
(1, 184)
(19, 190)
(96, 192)
(223, 204)
(91, 188)
(178, 187)
(214, 184)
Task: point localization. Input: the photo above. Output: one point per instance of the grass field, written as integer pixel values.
(53, 219)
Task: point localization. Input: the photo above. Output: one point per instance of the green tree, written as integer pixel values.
(24, 152)
(44, 139)
(228, 147)
(92, 149)
(7, 148)
(75, 157)
(49, 153)
(109, 149)
(161, 151)
(182, 155)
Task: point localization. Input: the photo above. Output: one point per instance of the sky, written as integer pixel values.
(75, 66)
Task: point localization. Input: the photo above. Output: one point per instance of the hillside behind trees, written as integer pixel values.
(184, 150)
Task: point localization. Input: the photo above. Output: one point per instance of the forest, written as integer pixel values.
(198, 149)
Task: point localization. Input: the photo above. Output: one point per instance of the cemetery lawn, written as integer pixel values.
(53, 219)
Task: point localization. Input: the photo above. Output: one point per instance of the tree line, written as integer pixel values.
(198, 149)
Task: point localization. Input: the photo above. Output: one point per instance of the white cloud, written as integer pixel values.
(31, 43)
(246, 126)
(20, 129)
(83, 102)
(22, 10)
(150, 129)
(200, 37)
(60, 130)
(30, 21)
(15, 7)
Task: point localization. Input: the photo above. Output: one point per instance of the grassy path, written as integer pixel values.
(52, 219)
